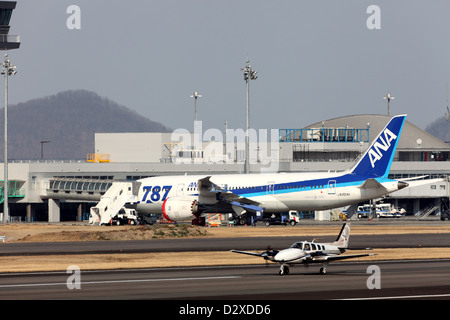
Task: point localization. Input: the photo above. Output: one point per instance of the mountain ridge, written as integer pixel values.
(69, 120)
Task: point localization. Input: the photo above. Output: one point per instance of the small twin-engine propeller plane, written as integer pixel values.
(305, 252)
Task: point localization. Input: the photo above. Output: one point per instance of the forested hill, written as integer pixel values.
(69, 120)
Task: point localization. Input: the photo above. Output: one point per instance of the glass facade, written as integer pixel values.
(5, 16)
(324, 135)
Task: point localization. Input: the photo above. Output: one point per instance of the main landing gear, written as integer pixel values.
(284, 269)
(323, 270)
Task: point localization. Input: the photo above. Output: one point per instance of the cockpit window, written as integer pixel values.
(297, 245)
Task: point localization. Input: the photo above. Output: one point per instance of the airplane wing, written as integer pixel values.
(249, 253)
(268, 255)
(344, 257)
(372, 184)
(418, 183)
(206, 185)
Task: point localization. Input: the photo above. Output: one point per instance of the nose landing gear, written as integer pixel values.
(284, 269)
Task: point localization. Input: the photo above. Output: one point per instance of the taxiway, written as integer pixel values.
(399, 280)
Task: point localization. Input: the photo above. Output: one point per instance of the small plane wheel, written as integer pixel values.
(283, 270)
(323, 271)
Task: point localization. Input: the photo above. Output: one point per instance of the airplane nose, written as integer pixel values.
(402, 185)
(279, 257)
(289, 255)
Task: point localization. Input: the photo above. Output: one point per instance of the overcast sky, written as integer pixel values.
(316, 60)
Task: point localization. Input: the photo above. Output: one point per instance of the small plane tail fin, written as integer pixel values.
(343, 237)
(377, 160)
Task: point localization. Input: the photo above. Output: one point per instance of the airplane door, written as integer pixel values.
(332, 187)
(180, 189)
(270, 187)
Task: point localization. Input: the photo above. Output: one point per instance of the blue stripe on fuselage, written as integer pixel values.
(346, 180)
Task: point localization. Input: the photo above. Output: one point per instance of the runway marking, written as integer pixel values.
(403, 297)
(116, 281)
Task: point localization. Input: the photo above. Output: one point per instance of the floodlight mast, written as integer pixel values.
(7, 70)
(196, 96)
(249, 74)
(389, 98)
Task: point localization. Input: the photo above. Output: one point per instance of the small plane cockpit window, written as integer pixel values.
(297, 245)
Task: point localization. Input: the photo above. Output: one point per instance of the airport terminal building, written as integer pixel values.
(64, 190)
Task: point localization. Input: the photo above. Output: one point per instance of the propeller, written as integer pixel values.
(269, 254)
(270, 251)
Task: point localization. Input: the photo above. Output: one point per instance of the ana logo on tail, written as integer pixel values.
(377, 160)
(375, 153)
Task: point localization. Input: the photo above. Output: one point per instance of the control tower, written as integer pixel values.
(7, 42)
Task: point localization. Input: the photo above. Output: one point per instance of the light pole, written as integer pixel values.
(249, 74)
(388, 98)
(447, 115)
(195, 96)
(7, 70)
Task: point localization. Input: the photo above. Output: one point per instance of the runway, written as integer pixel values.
(217, 244)
(397, 280)
(251, 284)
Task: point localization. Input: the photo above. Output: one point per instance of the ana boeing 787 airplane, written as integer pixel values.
(187, 197)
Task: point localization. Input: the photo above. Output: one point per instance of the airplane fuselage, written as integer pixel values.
(307, 252)
(275, 192)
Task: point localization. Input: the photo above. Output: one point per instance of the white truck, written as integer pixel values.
(292, 217)
(382, 210)
(125, 216)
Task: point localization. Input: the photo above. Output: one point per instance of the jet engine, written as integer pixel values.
(180, 208)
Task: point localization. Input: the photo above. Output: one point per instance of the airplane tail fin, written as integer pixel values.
(343, 237)
(377, 160)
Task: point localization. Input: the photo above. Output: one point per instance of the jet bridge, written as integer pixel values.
(77, 189)
(111, 195)
(15, 189)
